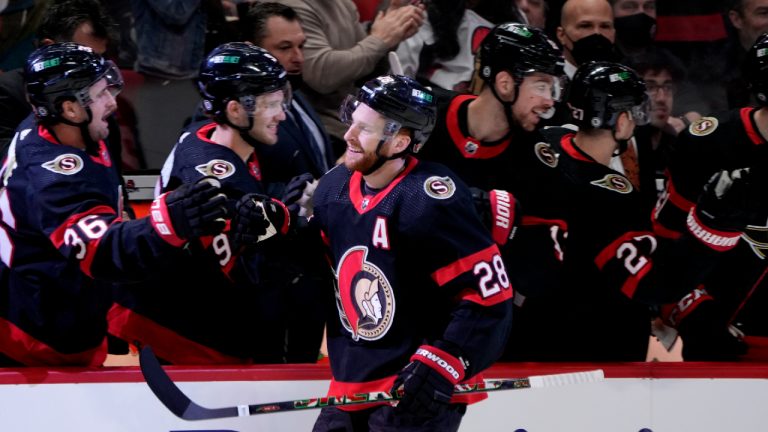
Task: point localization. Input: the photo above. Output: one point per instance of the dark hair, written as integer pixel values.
(445, 18)
(253, 22)
(737, 6)
(498, 11)
(63, 18)
(656, 60)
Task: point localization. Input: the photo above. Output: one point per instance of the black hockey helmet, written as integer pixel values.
(600, 91)
(402, 100)
(520, 50)
(756, 69)
(238, 71)
(65, 71)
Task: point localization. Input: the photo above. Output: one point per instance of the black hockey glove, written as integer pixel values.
(257, 218)
(708, 337)
(427, 382)
(726, 206)
(298, 195)
(499, 211)
(191, 211)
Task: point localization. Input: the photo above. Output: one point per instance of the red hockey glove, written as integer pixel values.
(499, 211)
(191, 211)
(257, 218)
(725, 207)
(428, 380)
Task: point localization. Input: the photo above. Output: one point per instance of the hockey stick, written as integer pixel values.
(394, 63)
(183, 407)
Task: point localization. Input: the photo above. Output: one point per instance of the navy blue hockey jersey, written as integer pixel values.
(202, 310)
(61, 230)
(737, 281)
(414, 265)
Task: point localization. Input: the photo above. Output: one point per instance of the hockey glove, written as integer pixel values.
(257, 218)
(191, 211)
(724, 209)
(708, 337)
(499, 211)
(427, 382)
(298, 195)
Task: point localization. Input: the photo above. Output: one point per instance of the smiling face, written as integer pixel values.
(536, 97)
(267, 115)
(363, 137)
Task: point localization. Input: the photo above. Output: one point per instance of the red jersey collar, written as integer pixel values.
(364, 203)
(469, 147)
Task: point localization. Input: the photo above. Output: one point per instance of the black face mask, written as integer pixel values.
(635, 30)
(594, 47)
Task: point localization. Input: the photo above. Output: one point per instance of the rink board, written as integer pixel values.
(647, 397)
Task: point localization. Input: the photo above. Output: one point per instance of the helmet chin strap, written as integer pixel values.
(511, 123)
(622, 143)
(243, 130)
(91, 146)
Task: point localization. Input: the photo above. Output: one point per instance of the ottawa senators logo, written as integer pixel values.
(614, 182)
(545, 154)
(363, 296)
(218, 168)
(703, 126)
(66, 164)
(439, 187)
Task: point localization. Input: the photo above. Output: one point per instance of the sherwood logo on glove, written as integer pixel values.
(436, 359)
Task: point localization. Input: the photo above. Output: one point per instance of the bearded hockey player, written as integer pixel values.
(423, 298)
(61, 229)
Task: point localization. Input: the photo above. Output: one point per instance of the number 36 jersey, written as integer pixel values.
(414, 264)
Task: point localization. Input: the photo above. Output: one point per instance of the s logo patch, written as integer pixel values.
(703, 126)
(439, 187)
(545, 154)
(218, 168)
(66, 164)
(614, 182)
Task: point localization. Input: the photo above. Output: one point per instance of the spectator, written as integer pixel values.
(635, 22)
(749, 20)
(662, 73)
(586, 33)
(59, 248)
(442, 52)
(296, 278)
(413, 316)
(210, 307)
(339, 52)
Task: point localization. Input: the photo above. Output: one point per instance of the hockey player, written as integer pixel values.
(212, 310)
(61, 230)
(423, 297)
(611, 269)
(714, 318)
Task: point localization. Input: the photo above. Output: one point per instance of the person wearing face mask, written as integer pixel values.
(635, 23)
(586, 33)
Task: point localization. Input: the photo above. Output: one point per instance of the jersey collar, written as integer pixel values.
(469, 147)
(364, 203)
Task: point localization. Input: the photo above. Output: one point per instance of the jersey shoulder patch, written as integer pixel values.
(614, 182)
(218, 168)
(545, 154)
(703, 126)
(439, 187)
(66, 164)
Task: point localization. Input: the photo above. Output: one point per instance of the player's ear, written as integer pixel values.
(401, 141)
(70, 110)
(505, 84)
(233, 110)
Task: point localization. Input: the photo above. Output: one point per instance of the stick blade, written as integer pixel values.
(557, 380)
(161, 384)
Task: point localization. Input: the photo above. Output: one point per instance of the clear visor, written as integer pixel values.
(350, 105)
(268, 104)
(544, 85)
(641, 114)
(114, 81)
